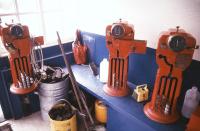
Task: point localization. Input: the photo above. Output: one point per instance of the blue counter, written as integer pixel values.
(124, 113)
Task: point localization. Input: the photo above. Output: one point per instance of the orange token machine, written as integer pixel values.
(120, 43)
(173, 55)
(18, 43)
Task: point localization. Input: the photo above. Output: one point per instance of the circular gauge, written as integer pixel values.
(177, 43)
(117, 31)
(16, 31)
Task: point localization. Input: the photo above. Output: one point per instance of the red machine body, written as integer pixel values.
(120, 43)
(18, 43)
(173, 55)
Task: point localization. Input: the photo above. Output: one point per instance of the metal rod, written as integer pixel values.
(24, 58)
(16, 68)
(170, 87)
(23, 66)
(118, 77)
(113, 80)
(75, 86)
(115, 72)
(72, 78)
(165, 84)
(122, 79)
(174, 90)
(111, 71)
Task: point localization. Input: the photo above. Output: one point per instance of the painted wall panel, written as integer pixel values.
(150, 18)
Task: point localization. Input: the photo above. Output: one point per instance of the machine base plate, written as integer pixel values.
(159, 117)
(22, 91)
(116, 92)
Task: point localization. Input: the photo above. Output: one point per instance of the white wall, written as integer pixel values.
(150, 17)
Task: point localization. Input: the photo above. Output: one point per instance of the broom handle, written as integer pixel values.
(72, 79)
(76, 89)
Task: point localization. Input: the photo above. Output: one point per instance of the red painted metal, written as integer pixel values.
(173, 55)
(193, 124)
(19, 44)
(120, 43)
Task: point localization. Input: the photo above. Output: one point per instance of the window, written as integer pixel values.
(43, 17)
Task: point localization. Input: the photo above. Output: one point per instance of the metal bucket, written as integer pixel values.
(50, 93)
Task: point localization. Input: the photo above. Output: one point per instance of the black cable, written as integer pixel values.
(165, 60)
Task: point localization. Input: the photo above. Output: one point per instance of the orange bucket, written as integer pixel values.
(100, 111)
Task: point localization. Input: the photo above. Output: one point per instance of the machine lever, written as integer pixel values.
(195, 47)
(165, 60)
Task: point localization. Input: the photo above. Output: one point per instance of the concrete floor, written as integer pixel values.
(33, 122)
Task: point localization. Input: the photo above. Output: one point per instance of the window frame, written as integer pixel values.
(41, 13)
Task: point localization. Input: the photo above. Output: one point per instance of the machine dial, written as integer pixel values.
(118, 31)
(177, 43)
(16, 31)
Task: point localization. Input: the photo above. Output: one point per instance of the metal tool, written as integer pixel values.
(173, 55)
(140, 93)
(93, 68)
(120, 43)
(78, 94)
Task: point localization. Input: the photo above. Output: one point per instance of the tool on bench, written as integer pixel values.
(120, 43)
(78, 94)
(19, 44)
(141, 93)
(93, 68)
(173, 55)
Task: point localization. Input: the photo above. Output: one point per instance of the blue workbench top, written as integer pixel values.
(125, 105)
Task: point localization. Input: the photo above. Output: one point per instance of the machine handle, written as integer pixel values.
(195, 47)
(165, 60)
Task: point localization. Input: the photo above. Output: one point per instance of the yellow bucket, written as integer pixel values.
(100, 111)
(63, 125)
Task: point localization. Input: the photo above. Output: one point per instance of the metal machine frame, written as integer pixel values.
(19, 44)
(173, 55)
(120, 43)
